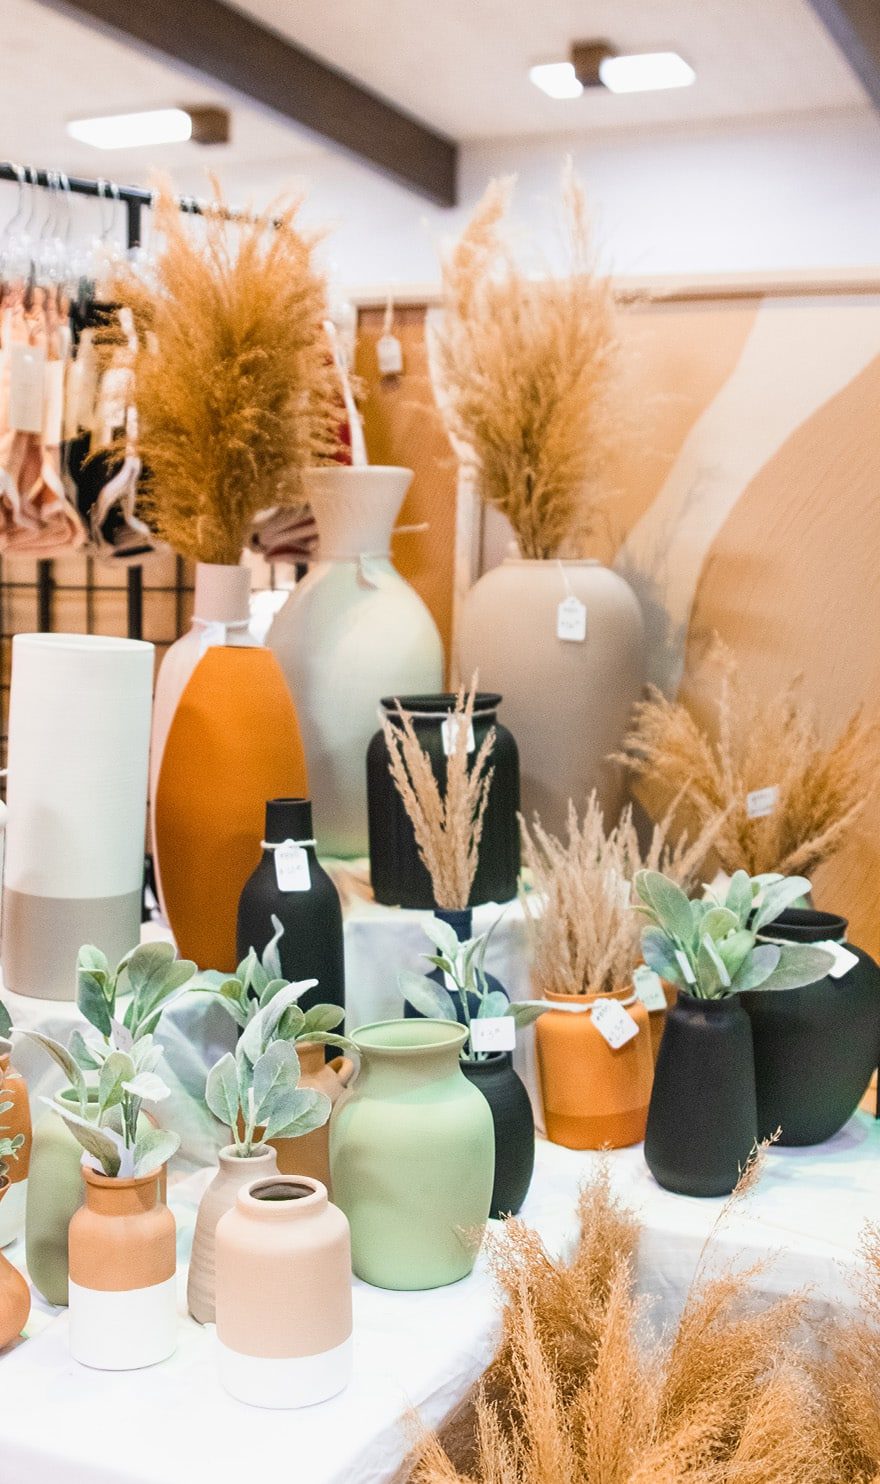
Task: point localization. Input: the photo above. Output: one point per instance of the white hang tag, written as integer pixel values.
(292, 867)
(762, 802)
(613, 1023)
(27, 386)
(449, 732)
(389, 354)
(649, 987)
(844, 959)
(685, 965)
(571, 620)
(367, 571)
(493, 1033)
(213, 634)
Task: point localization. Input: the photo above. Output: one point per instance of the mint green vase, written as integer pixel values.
(412, 1156)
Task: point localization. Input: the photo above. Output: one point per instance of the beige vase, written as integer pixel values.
(233, 1173)
(310, 1154)
(284, 1294)
(566, 701)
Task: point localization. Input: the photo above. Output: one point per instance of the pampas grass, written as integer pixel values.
(585, 936)
(850, 1374)
(448, 826)
(524, 372)
(234, 384)
(823, 788)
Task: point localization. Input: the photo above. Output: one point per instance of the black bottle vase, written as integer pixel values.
(703, 1119)
(462, 923)
(514, 1123)
(311, 946)
(815, 1047)
(398, 875)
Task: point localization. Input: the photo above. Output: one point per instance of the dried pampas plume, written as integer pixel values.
(234, 385)
(448, 825)
(524, 372)
(585, 936)
(822, 789)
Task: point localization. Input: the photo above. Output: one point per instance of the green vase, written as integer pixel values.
(412, 1157)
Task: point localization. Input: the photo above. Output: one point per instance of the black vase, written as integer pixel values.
(398, 875)
(816, 1047)
(702, 1119)
(514, 1123)
(311, 946)
(462, 923)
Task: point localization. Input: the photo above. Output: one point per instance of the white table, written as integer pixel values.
(62, 1424)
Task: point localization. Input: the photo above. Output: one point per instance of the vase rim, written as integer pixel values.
(518, 561)
(229, 1155)
(716, 1002)
(84, 643)
(807, 925)
(409, 1037)
(309, 1196)
(114, 1182)
(627, 993)
(327, 473)
(436, 707)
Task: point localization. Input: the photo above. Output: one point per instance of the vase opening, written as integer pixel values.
(281, 1190)
(410, 1035)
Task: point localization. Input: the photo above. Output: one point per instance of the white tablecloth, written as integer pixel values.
(62, 1424)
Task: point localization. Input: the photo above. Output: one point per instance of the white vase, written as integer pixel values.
(79, 733)
(351, 632)
(566, 701)
(221, 614)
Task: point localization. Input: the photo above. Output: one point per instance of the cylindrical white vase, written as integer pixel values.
(79, 733)
(352, 632)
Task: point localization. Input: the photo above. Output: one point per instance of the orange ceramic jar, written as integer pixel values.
(594, 1097)
(15, 1296)
(16, 1120)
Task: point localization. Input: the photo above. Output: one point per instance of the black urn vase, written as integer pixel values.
(311, 946)
(462, 924)
(815, 1047)
(514, 1123)
(702, 1119)
(398, 875)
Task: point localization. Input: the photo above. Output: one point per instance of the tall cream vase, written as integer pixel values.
(566, 700)
(221, 612)
(351, 632)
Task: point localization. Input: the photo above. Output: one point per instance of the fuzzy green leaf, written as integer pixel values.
(64, 1059)
(669, 904)
(799, 964)
(717, 923)
(756, 968)
(659, 955)
(148, 1087)
(739, 896)
(430, 999)
(276, 1071)
(442, 936)
(321, 1018)
(153, 1149)
(91, 998)
(735, 949)
(495, 1003)
(222, 1090)
(311, 1109)
(271, 960)
(776, 897)
(102, 1144)
(116, 1070)
(524, 1014)
(712, 976)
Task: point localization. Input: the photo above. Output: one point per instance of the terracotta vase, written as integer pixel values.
(123, 1302)
(233, 1174)
(284, 1294)
(412, 1154)
(17, 1120)
(234, 743)
(567, 702)
(15, 1296)
(310, 1154)
(594, 1096)
(352, 632)
(221, 611)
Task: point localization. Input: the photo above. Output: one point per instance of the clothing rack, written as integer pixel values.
(134, 199)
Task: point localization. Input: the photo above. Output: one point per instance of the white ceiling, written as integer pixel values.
(460, 65)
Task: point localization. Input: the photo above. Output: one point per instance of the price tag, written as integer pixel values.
(685, 966)
(649, 988)
(613, 1023)
(27, 385)
(571, 620)
(449, 732)
(292, 867)
(844, 959)
(761, 802)
(389, 354)
(493, 1033)
(212, 635)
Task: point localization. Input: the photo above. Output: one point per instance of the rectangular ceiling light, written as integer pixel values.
(556, 79)
(645, 72)
(131, 130)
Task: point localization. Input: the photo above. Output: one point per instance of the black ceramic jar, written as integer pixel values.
(399, 878)
(514, 1124)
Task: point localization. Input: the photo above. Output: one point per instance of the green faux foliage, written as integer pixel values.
(8, 1147)
(463, 965)
(710, 948)
(5, 1021)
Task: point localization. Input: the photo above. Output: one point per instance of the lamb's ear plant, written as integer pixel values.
(255, 984)
(710, 948)
(463, 967)
(5, 1022)
(8, 1147)
(256, 1086)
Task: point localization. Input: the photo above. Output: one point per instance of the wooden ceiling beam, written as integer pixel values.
(209, 39)
(855, 26)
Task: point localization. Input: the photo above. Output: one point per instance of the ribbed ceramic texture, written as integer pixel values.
(232, 1175)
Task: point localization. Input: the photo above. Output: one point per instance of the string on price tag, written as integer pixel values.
(292, 867)
(493, 1033)
(762, 802)
(649, 987)
(571, 620)
(213, 634)
(449, 733)
(613, 1023)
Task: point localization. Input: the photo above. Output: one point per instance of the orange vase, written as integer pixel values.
(234, 743)
(15, 1296)
(310, 1153)
(594, 1097)
(17, 1120)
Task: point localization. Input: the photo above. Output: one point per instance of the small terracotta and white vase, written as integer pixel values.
(15, 1296)
(233, 1173)
(122, 1290)
(283, 1288)
(17, 1120)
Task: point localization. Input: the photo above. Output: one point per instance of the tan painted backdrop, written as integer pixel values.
(745, 501)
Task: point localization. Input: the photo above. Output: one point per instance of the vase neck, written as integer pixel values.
(460, 919)
(288, 819)
(109, 1197)
(355, 510)
(222, 594)
(403, 1055)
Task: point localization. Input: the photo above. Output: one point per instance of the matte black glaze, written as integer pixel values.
(461, 923)
(514, 1123)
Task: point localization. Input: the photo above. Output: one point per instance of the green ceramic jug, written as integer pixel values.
(412, 1156)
